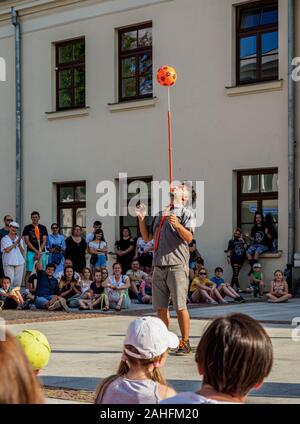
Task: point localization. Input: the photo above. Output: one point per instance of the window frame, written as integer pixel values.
(259, 197)
(74, 205)
(66, 66)
(258, 31)
(133, 53)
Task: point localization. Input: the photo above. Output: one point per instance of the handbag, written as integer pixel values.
(94, 257)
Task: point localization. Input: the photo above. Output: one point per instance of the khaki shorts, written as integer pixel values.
(170, 281)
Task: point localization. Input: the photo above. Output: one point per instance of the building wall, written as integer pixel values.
(214, 134)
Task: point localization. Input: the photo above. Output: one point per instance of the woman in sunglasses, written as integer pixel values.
(204, 290)
(56, 246)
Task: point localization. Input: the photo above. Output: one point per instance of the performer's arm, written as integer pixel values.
(141, 214)
(183, 233)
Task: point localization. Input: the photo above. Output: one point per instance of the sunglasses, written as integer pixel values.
(54, 228)
(8, 220)
(203, 273)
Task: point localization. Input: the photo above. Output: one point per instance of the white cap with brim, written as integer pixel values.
(150, 337)
(14, 224)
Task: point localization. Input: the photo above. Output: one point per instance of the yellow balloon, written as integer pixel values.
(36, 348)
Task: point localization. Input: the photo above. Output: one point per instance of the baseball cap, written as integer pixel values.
(257, 265)
(150, 337)
(14, 224)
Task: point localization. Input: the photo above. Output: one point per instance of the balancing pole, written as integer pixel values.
(170, 142)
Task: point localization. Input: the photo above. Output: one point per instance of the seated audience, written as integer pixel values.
(97, 296)
(204, 290)
(145, 290)
(139, 379)
(279, 291)
(116, 288)
(10, 297)
(70, 288)
(256, 280)
(68, 262)
(271, 232)
(144, 254)
(136, 276)
(86, 280)
(234, 356)
(47, 290)
(258, 238)
(224, 288)
(195, 258)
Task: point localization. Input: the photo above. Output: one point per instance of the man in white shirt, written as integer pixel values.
(12, 248)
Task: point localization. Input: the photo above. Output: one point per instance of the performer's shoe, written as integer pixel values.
(184, 348)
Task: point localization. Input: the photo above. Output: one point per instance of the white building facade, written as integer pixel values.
(90, 110)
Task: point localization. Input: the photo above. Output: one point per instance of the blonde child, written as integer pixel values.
(138, 379)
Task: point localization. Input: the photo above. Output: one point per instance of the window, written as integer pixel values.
(70, 74)
(131, 221)
(257, 190)
(71, 206)
(135, 62)
(257, 42)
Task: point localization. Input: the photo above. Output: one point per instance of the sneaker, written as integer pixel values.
(63, 304)
(239, 299)
(184, 348)
(223, 302)
(54, 306)
(239, 290)
(212, 302)
(1, 304)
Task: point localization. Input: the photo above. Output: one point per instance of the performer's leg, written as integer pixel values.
(164, 315)
(184, 323)
(161, 294)
(178, 284)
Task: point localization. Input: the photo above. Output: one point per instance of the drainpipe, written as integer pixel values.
(291, 135)
(16, 24)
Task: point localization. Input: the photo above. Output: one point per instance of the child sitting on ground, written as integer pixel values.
(234, 356)
(256, 281)
(145, 290)
(97, 295)
(202, 289)
(225, 289)
(10, 297)
(138, 379)
(279, 291)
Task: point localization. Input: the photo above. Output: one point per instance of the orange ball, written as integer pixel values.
(166, 76)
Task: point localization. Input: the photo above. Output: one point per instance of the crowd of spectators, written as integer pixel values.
(57, 275)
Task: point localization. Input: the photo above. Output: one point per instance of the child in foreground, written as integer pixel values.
(139, 380)
(234, 356)
(18, 381)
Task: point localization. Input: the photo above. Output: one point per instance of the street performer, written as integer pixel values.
(172, 231)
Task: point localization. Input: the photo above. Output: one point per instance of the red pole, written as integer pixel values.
(170, 143)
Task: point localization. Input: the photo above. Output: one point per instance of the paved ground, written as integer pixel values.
(87, 350)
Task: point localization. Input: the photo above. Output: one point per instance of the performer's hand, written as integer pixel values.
(173, 220)
(141, 211)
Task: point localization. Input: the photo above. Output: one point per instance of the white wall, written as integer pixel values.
(214, 134)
